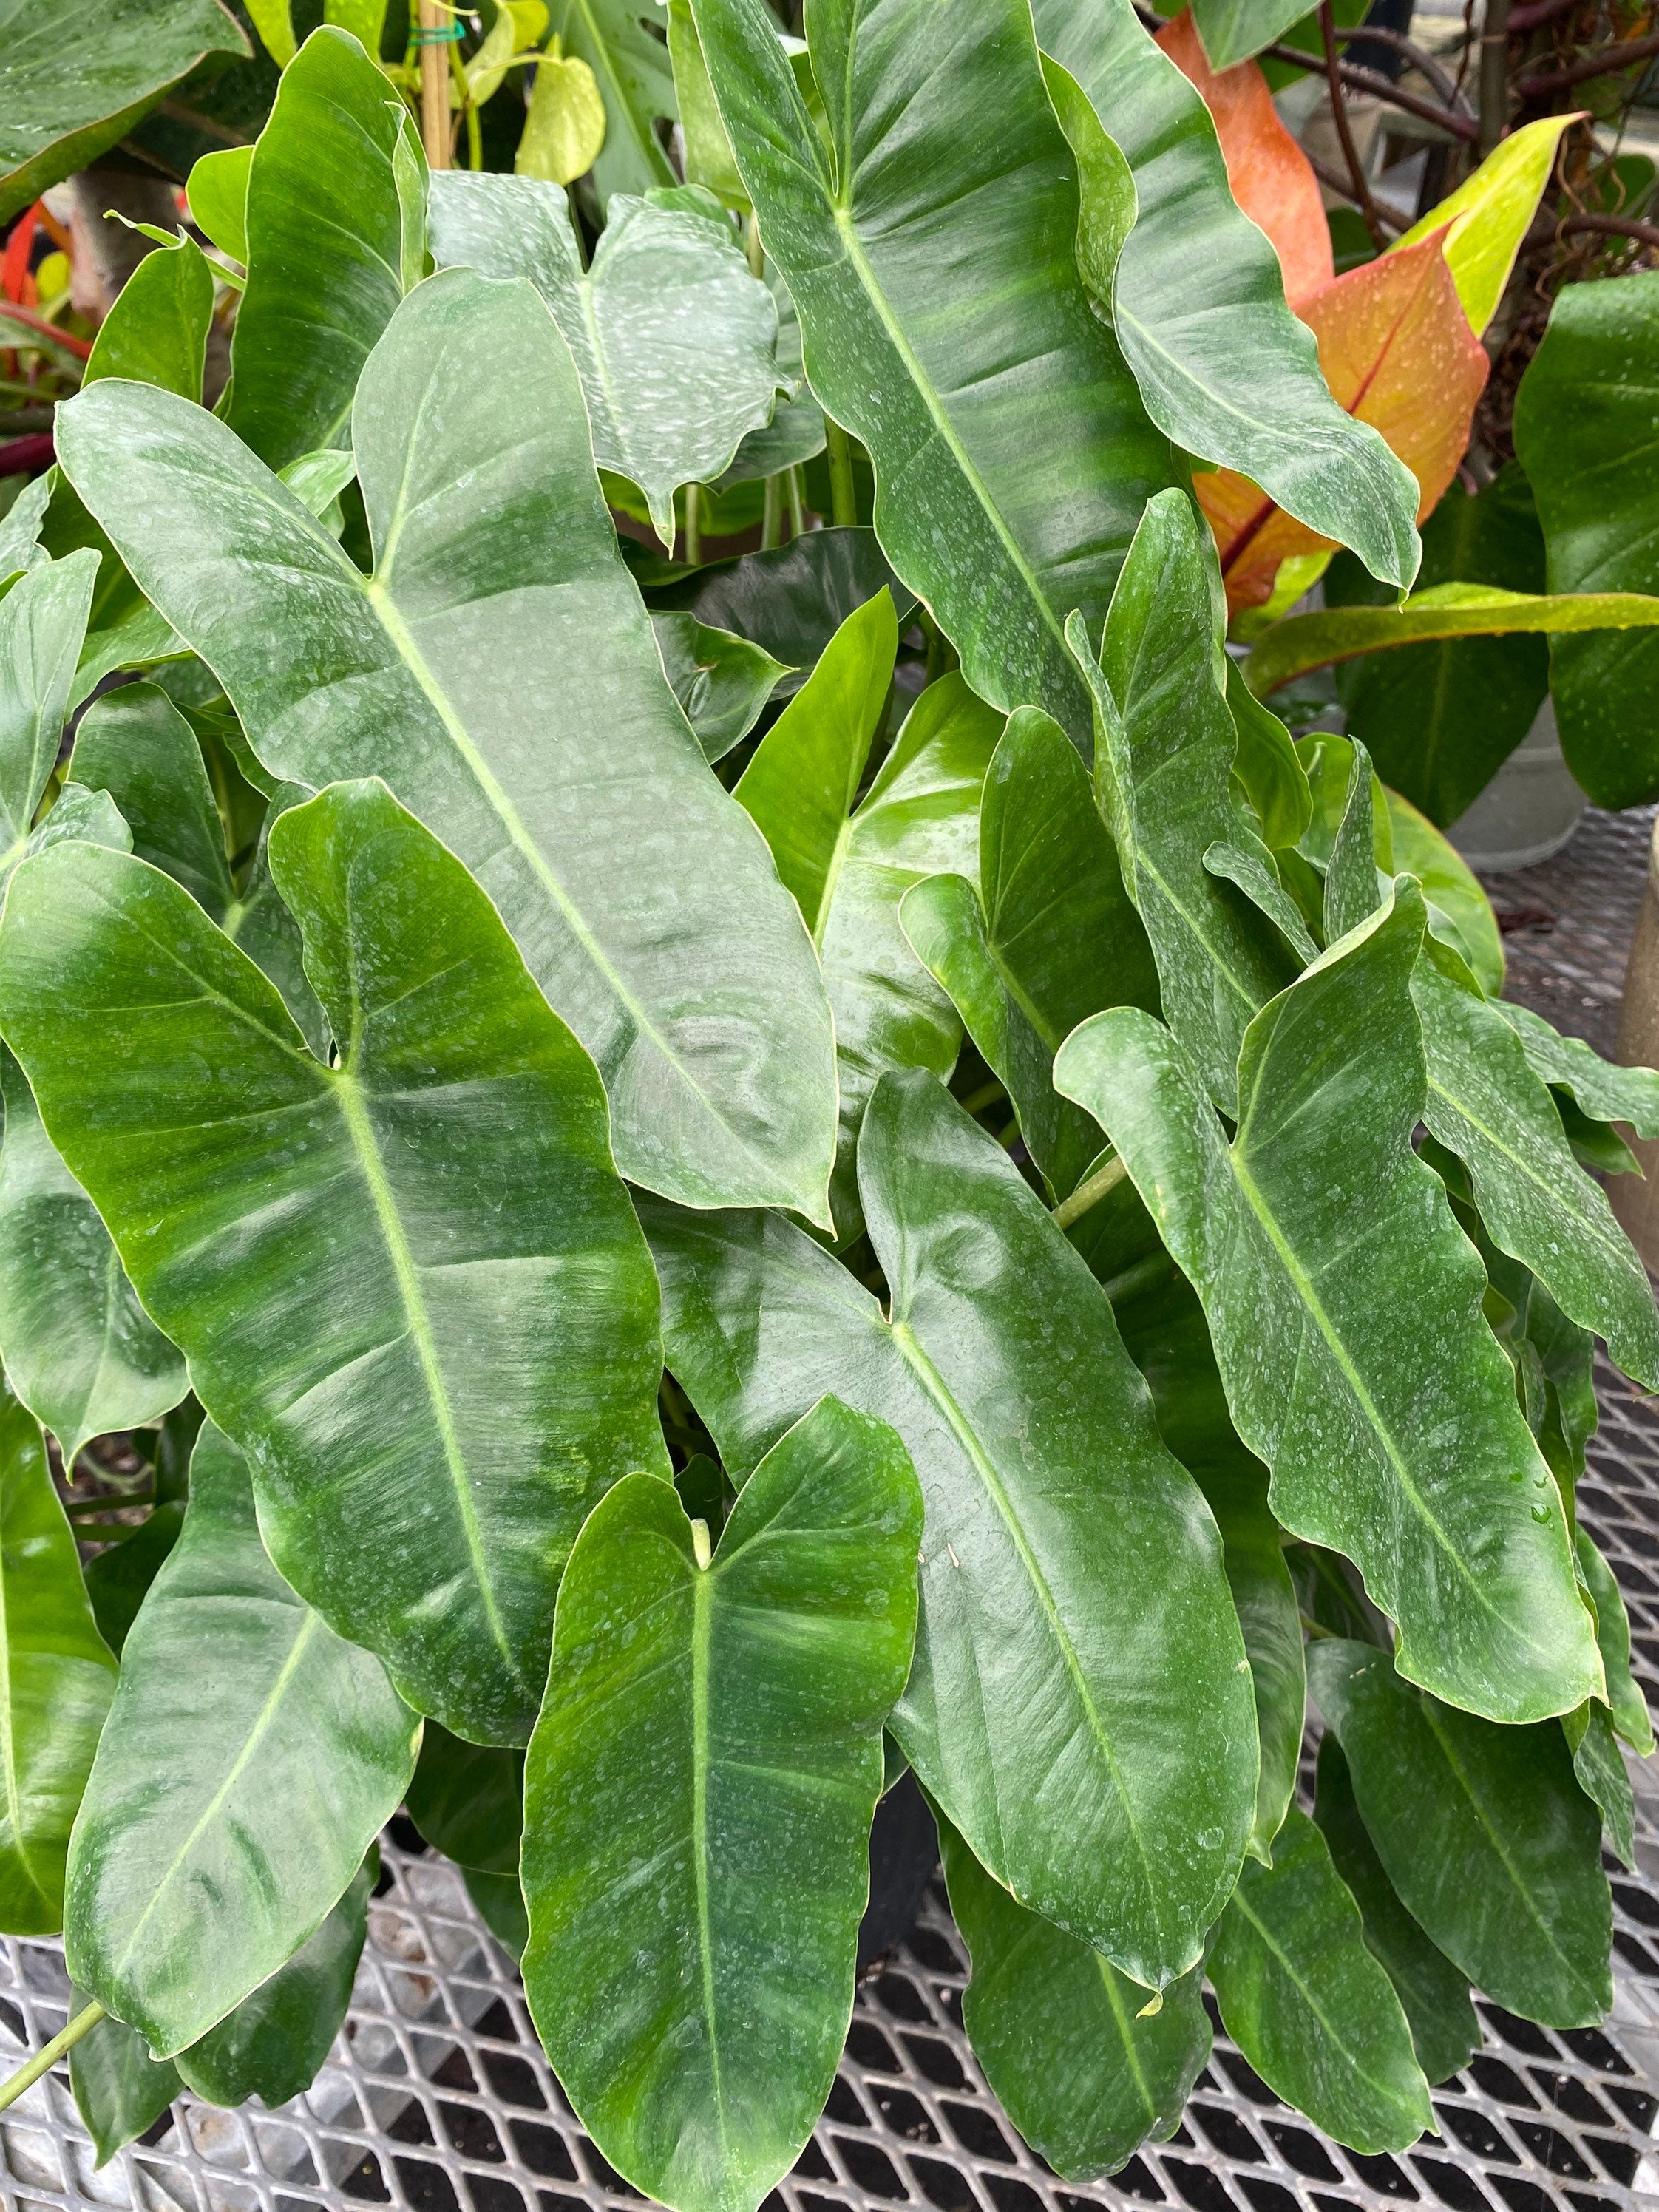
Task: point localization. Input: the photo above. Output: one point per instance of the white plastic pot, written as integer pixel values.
(1528, 810)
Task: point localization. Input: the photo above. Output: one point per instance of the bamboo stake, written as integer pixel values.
(432, 22)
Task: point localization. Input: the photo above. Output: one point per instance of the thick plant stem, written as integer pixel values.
(796, 502)
(771, 514)
(1089, 1191)
(843, 500)
(1362, 190)
(49, 2054)
(1494, 76)
(434, 84)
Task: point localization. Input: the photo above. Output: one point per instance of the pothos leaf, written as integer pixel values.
(616, 39)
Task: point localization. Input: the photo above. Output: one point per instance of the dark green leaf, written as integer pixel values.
(119, 2089)
(118, 1579)
(251, 1758)
(56, 1678)
(1344, 1303)
(1485, 1835)
(43, 618)
(467, 1800)
(1460, 913)
(1625, 1698)
(1583, 427)
(1268, 764)
(499, 1899)
(1080, 1704)
(644, 902)
(1012, 452)
(134, 744)
(157, 330)
(1059, 2033)
(365, 1264)
(635, 79)
(1444, 2026)
(721, 682)
(721, 1724)
(218, 199)
(1046, 938)
(1307, 2003)
(1233, 30)
(1599, 1767)
(1602, 1089)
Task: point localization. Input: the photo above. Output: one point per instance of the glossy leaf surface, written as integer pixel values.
(136, 744)
(721, 682)
(1460, 913)
(1012, 452)
(1059, 2031)
(646, 906)
(1197, 289)
(1435, 1996)
(157, 329)
(78, 1348)
(55, 1681)
(718, 1721)
(1493, 1847)
(1307, 2003)
(1104, 1773)
(674, 340)
(330, 1245)
(118, 1581)
(1601, 1087)
(251, 1758)
(119, 2089)
(1489, 214)
(1291, 1235)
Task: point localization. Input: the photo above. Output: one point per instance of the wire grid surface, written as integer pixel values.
(437, 2097)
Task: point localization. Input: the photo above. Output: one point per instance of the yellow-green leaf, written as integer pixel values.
(565, 127)
(1489, 214)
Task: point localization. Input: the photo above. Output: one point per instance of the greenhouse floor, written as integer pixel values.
(437, 2097)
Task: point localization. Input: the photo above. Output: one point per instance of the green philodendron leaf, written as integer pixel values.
(645, 905)
(1307, 2003)
(1599, 1768)
(1080, 1705)
(1164, 1331)
(365, 1264)
(1197, 292)
(1268, 764)
(1233, 30)
(157, 329)
(1583, 425)
(78, 76)
(43, 618)
(467, 1800)
(1485, 1835)
(1440, 719)
(249, 1759)
(674, 339)
(1046, 938)
(272, 2045)
(1345, 1307)
(721, 682)
(118, 1579)
(217, 191)
(20, 526)
(1012, 452)
(79, 1350)
(1445, 2027)
(1460, 913)
(134, 744)
(55, 1681)
(1601, 1088)
(1059, 2033)
(120, 2090)
(849, 868)
(499, 1899)
(335, 235)
(1625, 1698)
(1165, 746)
(635, 77)
(717, 1721)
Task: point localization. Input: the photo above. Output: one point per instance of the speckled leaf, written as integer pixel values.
(645, 905)
(329, 1246)
(1343, 1304)
(1080, 1705)
(1599, 1087)
(251, 1758)
(1059, 2031)
(1484, 1832)
(1012, 452)
(718, 1721)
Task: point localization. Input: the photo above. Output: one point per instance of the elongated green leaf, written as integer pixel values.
(20, 526)
(1485, 219)
(1012, 452)
(850, 871)
(118, 1581)
(1164, 770)
(251, 1758)
(1234, 30)
(1444, 2026)
(1301, 643)
(721, 682)
(1483, 1831)
(1486, 1104)
(336, 235)
(500, 1901)
(1078, 1705)
(217, 190)
(635, 79)
(1391, 1429)
(1198, 289)
(78, 1348)
(1625, 1698)
(1059, 2031)
(718, 1721)
(1460, 913)
(467, 1800)
(674, 340)
(119, 2089)
(645, 905)
(271, 2046)
(331, 1247)
(1308, 2004)
(77, 79)
(157, 329)
(43, 618)
(1266, 765)
(136, 744)
(1600, 1088)
(1046, 938)
(56, 1680)
(1598, 1766)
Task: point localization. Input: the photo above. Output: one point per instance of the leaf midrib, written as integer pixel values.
(702, 1585)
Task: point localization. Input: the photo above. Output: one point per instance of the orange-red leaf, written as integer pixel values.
(1397, 351)
(1268, 172)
